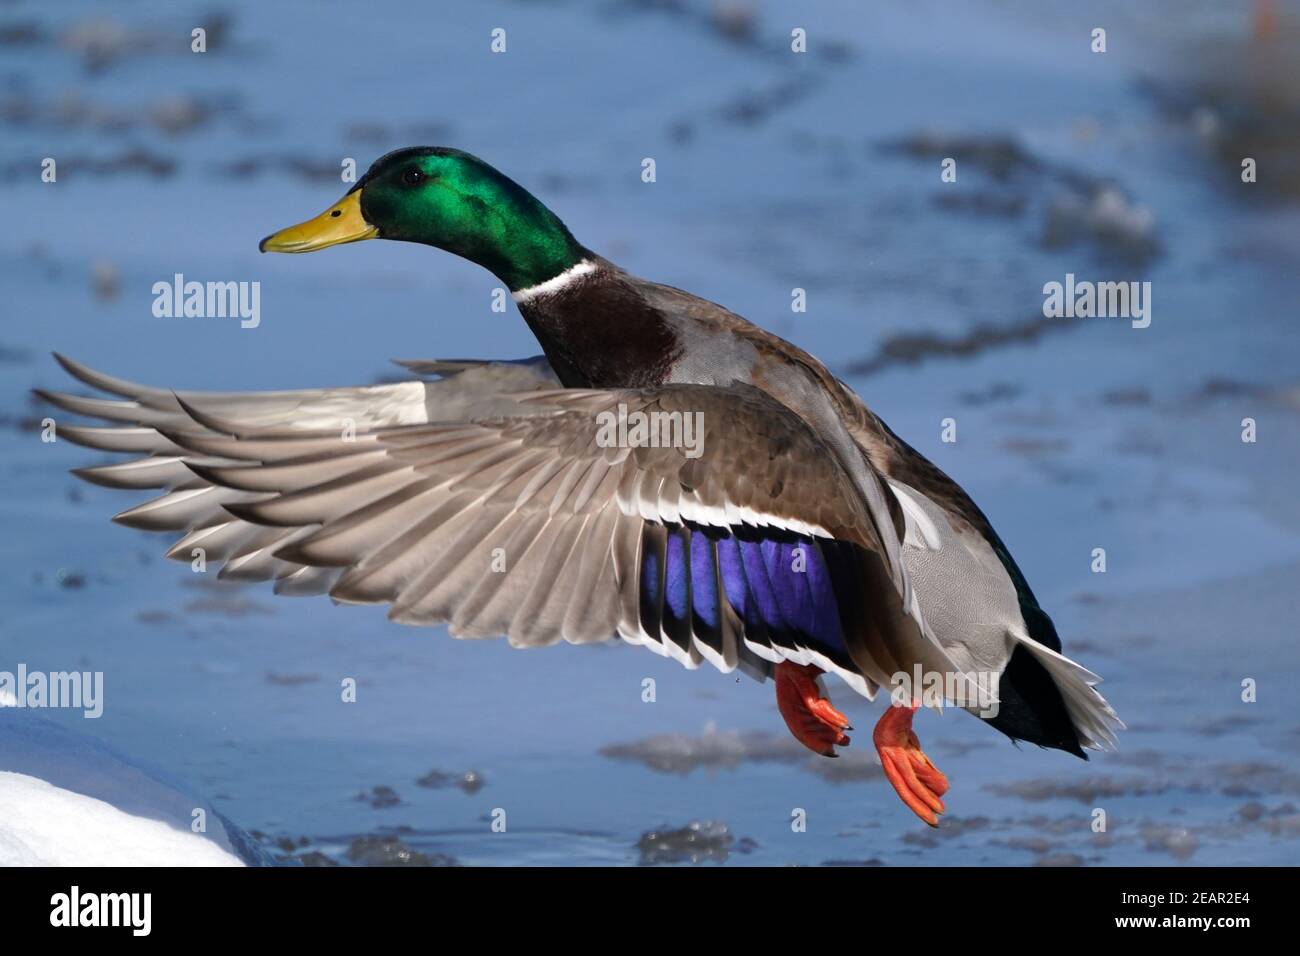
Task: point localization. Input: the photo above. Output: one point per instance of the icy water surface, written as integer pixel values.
(775, 171)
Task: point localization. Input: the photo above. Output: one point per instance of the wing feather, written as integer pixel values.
(407, 494)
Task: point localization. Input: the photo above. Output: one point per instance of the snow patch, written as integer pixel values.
(68, 799)
(45, 825)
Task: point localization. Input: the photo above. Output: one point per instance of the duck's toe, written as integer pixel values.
(812, 719)
(919, 783)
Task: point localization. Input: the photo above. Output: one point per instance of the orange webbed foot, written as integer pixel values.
(807, 711)
(919, 783)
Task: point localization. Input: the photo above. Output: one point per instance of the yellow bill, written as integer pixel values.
(341, 223)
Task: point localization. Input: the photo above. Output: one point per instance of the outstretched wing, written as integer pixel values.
(724, 530)
(192, 505)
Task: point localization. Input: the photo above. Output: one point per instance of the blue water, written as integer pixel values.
(774, 171)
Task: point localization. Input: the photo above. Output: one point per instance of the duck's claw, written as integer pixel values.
(919, 783)
(807, 712)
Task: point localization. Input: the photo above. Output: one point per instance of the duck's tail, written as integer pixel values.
(1095, 721)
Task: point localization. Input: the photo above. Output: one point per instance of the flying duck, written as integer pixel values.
(666, 472)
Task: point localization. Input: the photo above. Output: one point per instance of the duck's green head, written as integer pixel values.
(449, 199)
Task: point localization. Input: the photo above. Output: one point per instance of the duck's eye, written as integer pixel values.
(413, 177)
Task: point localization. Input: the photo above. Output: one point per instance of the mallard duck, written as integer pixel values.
(793, 535)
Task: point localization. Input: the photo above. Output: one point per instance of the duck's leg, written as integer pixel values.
(918, 782)
(807, 712)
